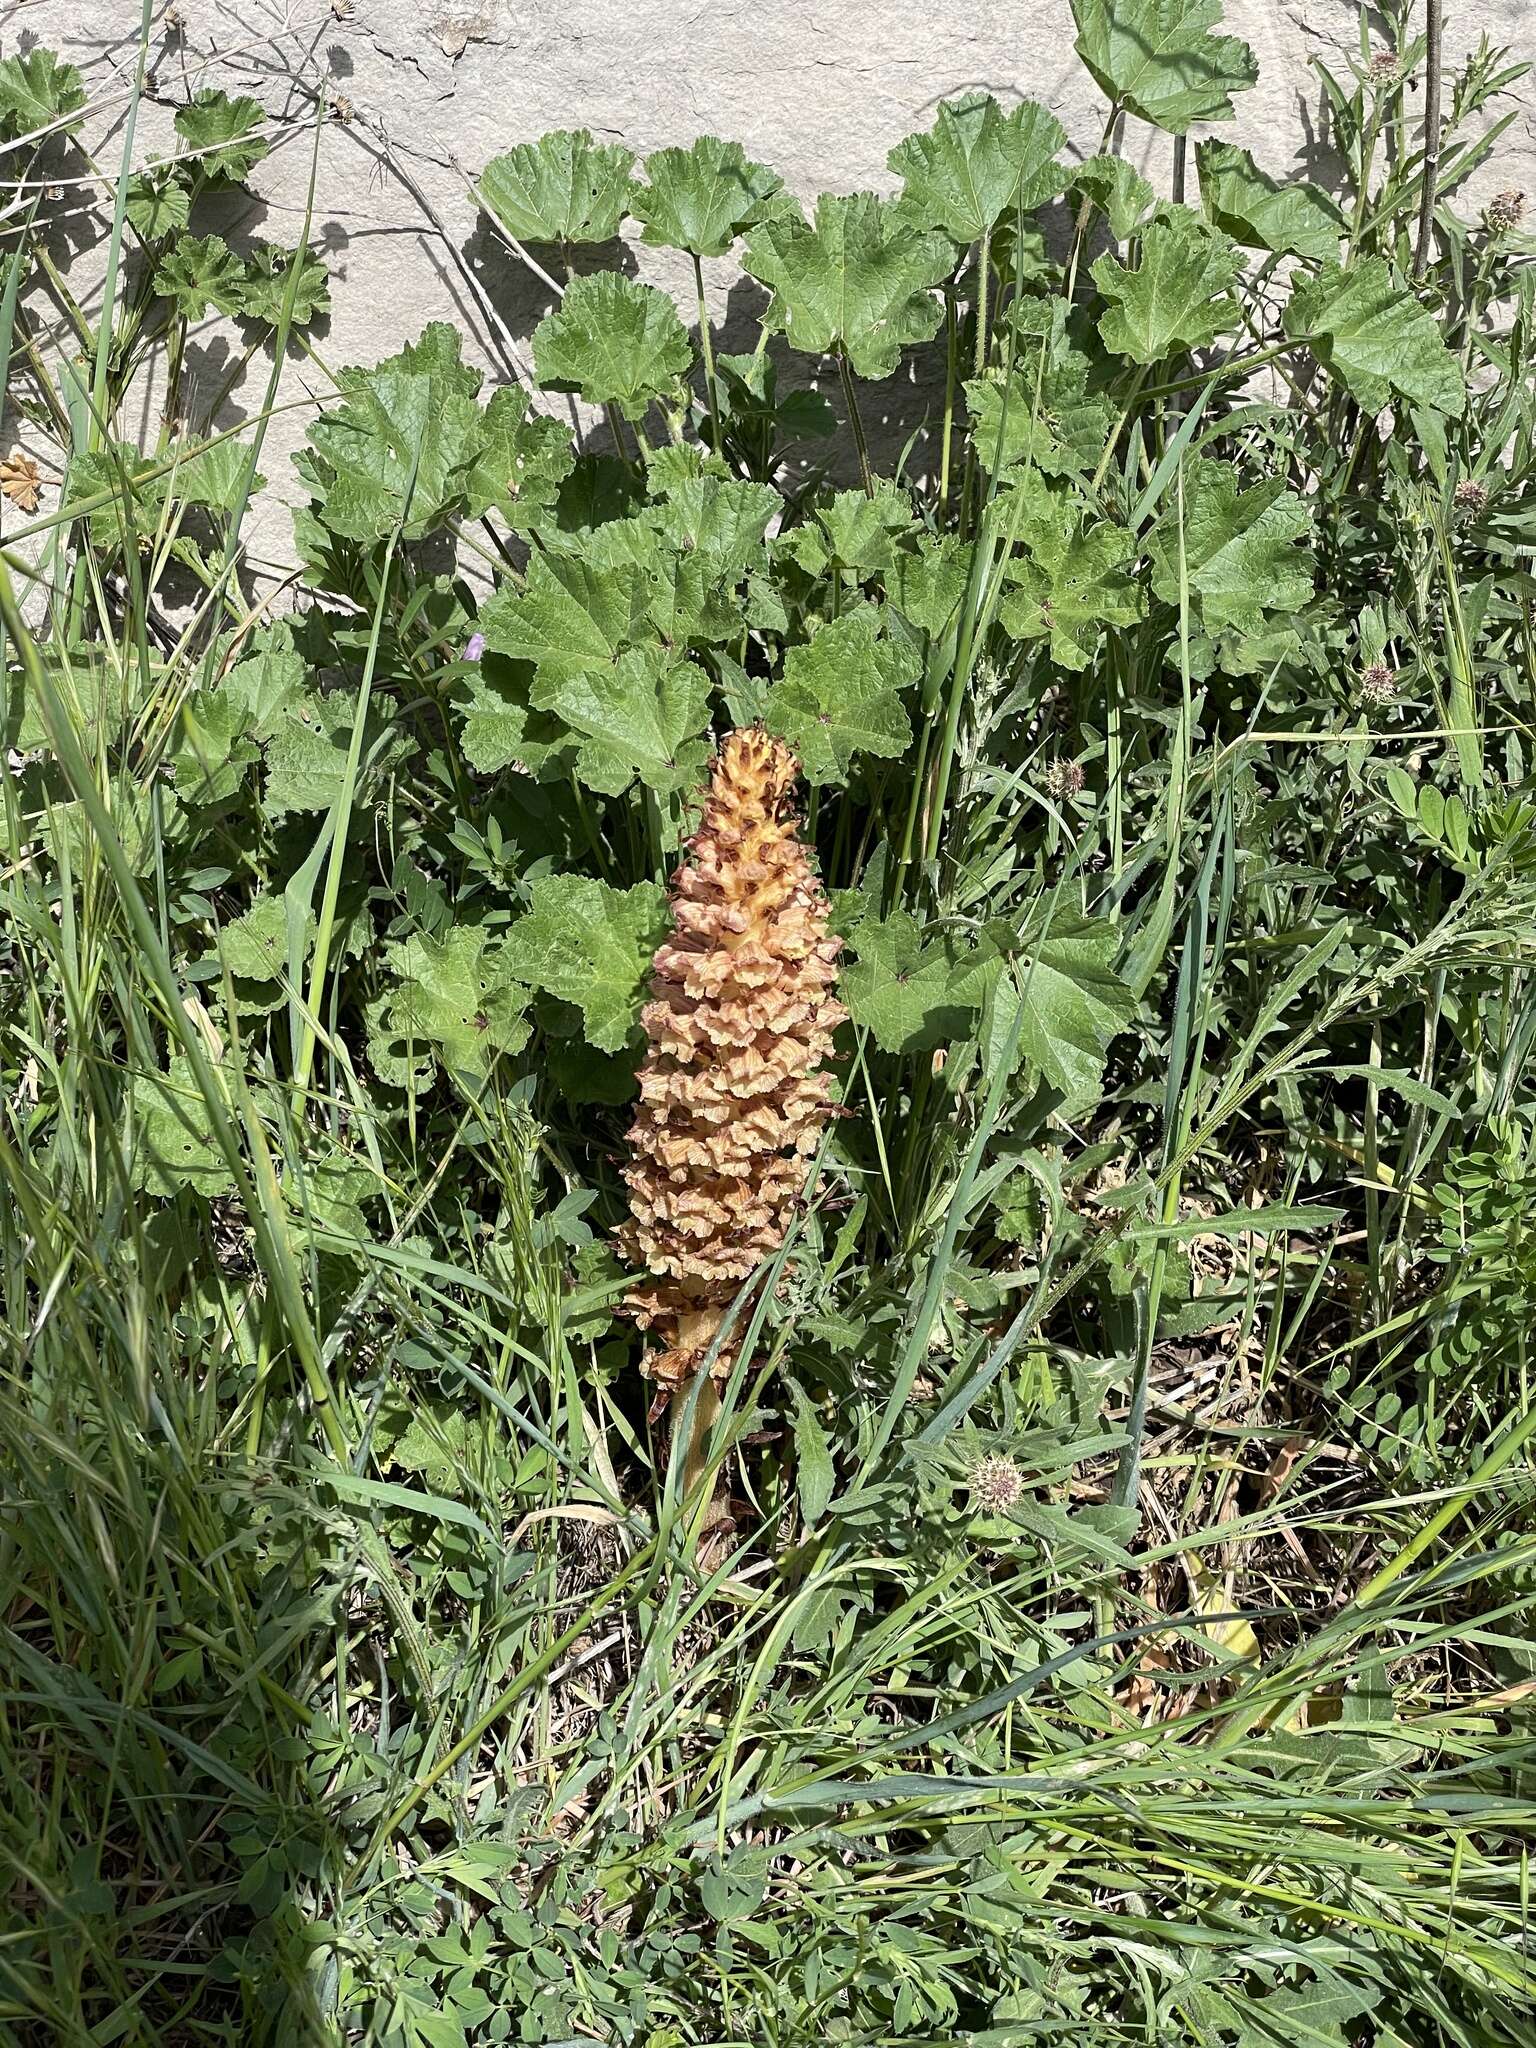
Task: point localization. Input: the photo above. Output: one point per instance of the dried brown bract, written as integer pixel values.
(733, 1099)
(21, 480)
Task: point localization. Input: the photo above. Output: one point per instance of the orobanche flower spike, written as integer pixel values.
(733, 1096)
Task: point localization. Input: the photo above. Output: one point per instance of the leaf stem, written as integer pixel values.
(857, 423)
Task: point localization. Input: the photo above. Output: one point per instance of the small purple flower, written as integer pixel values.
(474, 647)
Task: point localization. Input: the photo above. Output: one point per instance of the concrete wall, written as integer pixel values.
(426, 91)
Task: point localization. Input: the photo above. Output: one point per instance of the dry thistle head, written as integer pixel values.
(1378, 683)
(733, 1099)
(1504, 212)
(1469, 499)
(1062, 779)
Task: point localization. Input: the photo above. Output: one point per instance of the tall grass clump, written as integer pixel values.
(947, 883)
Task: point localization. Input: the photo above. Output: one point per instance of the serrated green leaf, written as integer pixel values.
(614, 340)
(928, 585)
(213, 476)
(459, 995)
(157, 204)
(1292, 219)
(200, 271)
(1240, 555)
(858, 280)
(979, 164)
(1071, 581)
(1177, 297)
(255, 944)
(590, 945)
(571, 617)
(853, 531)
(814, 1473)
(721, 521)
(1042, 415)
(172, 1143)
(1073, 999)
(639, 720)
(38, 90)
(305, 745)
(901, 987)
(400, 446)
(1159, 60)
(841, 696)
(701, 198)
(1118, 190)
(265, 285)
(523, 459)
(563, 188)
(1373, 334)
(222, 133)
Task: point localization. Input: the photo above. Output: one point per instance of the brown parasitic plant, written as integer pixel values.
(733, 1091)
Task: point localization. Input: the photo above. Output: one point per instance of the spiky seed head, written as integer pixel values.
(1385, 67)
(996, 1484)
(1470, 498)
(1378, 683)
(1504, 212)
(1062, 779)
(733, 1095)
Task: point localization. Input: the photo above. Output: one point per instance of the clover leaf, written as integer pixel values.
(859, 280)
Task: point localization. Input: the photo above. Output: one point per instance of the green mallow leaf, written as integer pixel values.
(523, 459)
(199, 271)
(590, 945)
(254, 946)
(306, 753)
(1071, 581)
(978, 164)
(639, 720)
(901, 987)
(266, 285)
(172, 1143)
(1042, 415)
(222, 133)
(37, 91)
(213, 476)
(1118, 190)
(502, 729)
(841, 695)
(571, 617)
(615, 341)
(928, 586)
(563, 188)
(456, 994)
(398, 447)
(853, 531)
(1367, 327)
(1290, 219)
(1240, 554)
(1073, 999)
(1159, 60)
(859, 280)
(157, 204)
(700, 199)
(1177, 298)
(721, 522)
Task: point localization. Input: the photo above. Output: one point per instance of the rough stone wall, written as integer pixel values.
(421, 93)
